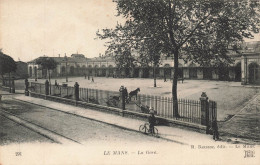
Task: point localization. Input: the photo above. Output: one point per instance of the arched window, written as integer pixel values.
(238, 71)
(63, 70)
(35, 71)
(72, 70)
(167, 70)
(167, 66)
(254, 72)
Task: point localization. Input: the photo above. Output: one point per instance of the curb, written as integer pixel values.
(118, 126)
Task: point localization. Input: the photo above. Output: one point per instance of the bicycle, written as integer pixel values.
(144, 128)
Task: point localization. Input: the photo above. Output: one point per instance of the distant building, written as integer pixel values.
(245, 68)
(250, 63)
(72, 66)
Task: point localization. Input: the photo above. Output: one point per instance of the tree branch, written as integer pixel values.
(182, 16)
(192, 32)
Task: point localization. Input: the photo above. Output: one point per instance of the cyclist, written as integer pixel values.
(152, 120)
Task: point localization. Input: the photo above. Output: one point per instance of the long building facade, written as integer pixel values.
(246, 68)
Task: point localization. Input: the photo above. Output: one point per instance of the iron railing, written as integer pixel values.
(188, 110)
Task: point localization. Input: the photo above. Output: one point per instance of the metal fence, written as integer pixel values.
(37, 88)
(188, 110)
(101, 97)
(55, 90)
(60, 91)
(95, 96)
(212, 112)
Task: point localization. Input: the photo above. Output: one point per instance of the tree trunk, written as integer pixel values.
(174, 85)
(3, 79)
(154, 77)
(9, 82)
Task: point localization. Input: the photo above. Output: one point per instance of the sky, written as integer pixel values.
(33, 28)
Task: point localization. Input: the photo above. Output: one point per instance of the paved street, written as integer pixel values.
(11, 132)
(77, 128)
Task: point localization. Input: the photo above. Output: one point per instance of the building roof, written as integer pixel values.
(63, 59)
(247, 48)
(100, 59)
(251, 47)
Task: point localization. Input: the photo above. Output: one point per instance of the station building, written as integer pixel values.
(246, 67)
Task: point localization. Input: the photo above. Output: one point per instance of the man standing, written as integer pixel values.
(215, 129)
(152, 120)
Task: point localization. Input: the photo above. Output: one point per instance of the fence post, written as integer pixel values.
(46, 87)
(76, 92)
(13, 86)
(26, 92)
(122, 100)
(60, 91)
(204, 111)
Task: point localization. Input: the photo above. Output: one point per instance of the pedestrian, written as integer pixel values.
(56, 84)
(215, 129)
(165, 79)
(126, 95)
(92, 79)
(151, 120)
(85, 75)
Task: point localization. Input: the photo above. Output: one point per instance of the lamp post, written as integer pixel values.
(66, 60)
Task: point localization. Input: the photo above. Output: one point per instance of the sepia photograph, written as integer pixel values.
(96, 82)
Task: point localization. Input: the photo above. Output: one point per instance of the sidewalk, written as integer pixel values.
(177, 135)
